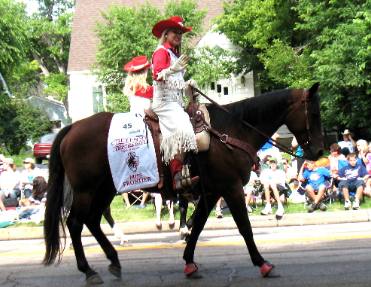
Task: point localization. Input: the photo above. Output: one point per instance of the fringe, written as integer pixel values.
(177, 142)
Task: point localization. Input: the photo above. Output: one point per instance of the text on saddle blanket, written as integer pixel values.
(131, 153)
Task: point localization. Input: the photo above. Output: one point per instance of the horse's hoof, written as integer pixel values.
(172, 225)
(279, 217)
(267, 270)
(94, 279)
(191, 271)
(159, 226)
(115, 270)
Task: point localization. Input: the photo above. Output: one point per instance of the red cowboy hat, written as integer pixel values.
(175, 22)
(137, 64)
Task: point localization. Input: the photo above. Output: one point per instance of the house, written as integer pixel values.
(87, 95)
(54, 109)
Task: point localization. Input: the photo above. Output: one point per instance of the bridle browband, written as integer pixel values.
(274, 142)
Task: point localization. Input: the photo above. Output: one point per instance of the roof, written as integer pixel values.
(84, 40)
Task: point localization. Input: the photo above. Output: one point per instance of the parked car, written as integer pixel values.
(41, 150)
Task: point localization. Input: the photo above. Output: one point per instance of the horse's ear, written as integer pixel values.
(313, 90)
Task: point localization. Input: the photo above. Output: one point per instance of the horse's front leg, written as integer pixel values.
(203, 209)
(235, 200)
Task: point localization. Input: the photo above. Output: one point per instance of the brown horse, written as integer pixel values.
(81, 187)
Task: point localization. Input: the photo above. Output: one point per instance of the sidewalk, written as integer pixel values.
(293, 219)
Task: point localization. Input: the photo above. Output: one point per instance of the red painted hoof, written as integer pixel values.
(265, 269)
(191, 270)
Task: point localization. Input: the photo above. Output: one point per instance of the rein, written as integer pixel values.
(274, 142)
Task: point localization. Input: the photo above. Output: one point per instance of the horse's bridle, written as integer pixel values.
(274, 142)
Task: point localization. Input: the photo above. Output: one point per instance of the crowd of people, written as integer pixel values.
(22, 191)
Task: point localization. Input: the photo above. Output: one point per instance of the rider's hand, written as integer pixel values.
(180, 64)
(192, 83)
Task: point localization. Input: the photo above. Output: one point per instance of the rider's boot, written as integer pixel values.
(181, 176)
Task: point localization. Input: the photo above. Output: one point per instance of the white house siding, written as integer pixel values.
(235, 88)
(83, 88)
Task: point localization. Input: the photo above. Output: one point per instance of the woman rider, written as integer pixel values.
(168, 68)
(136, 87)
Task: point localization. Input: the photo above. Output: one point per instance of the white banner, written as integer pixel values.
(131, 153)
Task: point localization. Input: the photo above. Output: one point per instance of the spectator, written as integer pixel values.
(363, 155)
(315, 178)
(269, 150)
(348, 141)
(273, 179)
(249, 188)
(299, 152)
(9, 185)
(218, 208)
(337, 159)
(352, 178)
(367, 190)
(290, 172)
(27, 176)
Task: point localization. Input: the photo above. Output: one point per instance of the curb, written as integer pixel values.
(257, 221)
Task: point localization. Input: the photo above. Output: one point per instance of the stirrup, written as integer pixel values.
(180, 182)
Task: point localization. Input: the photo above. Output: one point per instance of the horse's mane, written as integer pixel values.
(254, 109)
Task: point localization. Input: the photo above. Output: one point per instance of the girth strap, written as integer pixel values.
(233, 142)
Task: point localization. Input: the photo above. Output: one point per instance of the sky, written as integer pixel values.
(31, 6)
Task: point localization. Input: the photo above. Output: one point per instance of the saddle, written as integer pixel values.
(196, 113)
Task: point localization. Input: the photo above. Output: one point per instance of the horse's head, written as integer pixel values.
(304, 121)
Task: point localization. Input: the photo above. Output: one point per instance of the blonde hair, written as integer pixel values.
(134, 82)
(362, 145)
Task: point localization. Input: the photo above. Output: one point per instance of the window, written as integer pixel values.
(212, 86)
(98, 99)
(219, 88)
(225, 91)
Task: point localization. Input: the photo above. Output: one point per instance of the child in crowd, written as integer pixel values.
(315, 178)
(273, 179)
(352, 178)
(249, 188)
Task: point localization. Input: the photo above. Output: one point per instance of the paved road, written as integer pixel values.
(326, 255)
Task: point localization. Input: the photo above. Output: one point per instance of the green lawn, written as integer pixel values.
(122, 214)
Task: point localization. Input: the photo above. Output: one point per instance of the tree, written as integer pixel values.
(13, 35)
(126, 32)
(20, 122)
(295, 43)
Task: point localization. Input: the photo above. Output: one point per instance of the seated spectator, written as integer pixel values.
(273, 179)
(249, 189)
(363, 155)
(27, 176)
(367, 190)
(315, 178)
(9, 185)
(348, 141)
(298, 161)
(269, 150)
(352, 179)
(218, 208)
(290, 172)
(337, 159)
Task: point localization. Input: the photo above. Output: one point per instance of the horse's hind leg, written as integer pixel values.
(75, 227)
(236, 204)
(109, 250)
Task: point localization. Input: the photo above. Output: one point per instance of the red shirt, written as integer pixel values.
(145, 92)
(161, 59)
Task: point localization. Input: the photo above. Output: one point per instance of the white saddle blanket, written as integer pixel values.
(131, 153)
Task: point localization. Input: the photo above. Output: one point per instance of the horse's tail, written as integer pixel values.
(54, 212)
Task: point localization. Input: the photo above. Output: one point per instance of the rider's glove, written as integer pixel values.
(178, 66)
